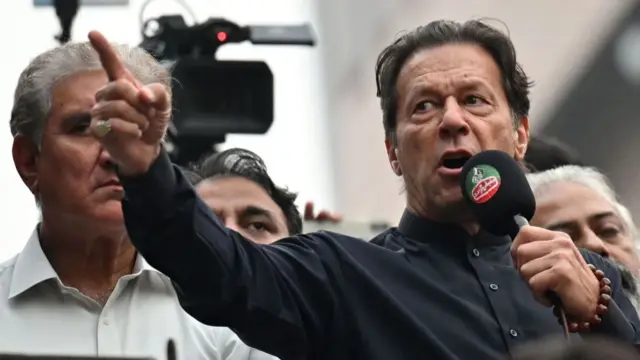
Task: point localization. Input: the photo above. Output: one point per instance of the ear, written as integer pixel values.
(392, 154)
(521, 137)
(25, 156)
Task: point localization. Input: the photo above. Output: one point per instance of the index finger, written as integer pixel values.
(108, 57)
(529, 234)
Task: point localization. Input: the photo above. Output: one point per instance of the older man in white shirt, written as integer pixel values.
(79, 287)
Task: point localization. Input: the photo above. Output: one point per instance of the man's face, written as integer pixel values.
(589, 219)
(71, 174)
(245, 207)
(451, 105)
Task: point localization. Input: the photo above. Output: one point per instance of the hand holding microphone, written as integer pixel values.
(501, 199)
(550, 261)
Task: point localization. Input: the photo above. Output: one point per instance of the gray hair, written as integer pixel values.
(589, 177)
(32, 98)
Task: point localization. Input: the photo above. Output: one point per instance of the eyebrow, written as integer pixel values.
(568, 224)
(253, 210)
(464, 85)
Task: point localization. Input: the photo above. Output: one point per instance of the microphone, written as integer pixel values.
(498, 192)
(501, 199)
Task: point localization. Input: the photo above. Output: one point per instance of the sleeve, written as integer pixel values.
(621, 320)
(279, 298)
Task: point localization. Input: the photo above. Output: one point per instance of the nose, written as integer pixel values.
(105, 159)
(593, 243)
(453, 123)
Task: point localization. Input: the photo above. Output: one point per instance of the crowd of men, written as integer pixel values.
(132, 251)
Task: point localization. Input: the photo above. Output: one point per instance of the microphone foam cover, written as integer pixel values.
(496, 189)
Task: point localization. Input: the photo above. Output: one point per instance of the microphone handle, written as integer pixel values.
(520, 221)
(514, 227)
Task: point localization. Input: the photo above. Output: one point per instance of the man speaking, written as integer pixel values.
(436, 287)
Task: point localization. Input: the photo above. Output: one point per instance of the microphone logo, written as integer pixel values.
(483, 181)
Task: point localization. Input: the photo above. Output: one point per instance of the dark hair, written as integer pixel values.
(545, 153)
(441, 32)
(246, 164)
(192, 176)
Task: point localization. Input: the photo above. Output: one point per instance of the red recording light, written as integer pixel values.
(222, 36)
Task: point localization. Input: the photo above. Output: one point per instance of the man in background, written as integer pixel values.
(79, 287)
(236, 186)
(581, 202)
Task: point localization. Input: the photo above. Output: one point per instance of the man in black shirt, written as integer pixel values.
(435, 287)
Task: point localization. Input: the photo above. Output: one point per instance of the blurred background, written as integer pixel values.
(326, 141)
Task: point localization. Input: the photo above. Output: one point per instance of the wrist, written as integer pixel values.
(600, 309)
(142, 166)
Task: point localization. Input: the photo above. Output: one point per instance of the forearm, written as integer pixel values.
(273, 297)
(162, 218)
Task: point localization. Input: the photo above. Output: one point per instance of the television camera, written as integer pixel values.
(213, 98)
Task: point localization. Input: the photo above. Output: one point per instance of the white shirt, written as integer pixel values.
(39, 315)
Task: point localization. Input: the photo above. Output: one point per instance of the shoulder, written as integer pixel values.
(7, 266)
(230, 347)
(385, 238)
(319, 241)
(6, 274)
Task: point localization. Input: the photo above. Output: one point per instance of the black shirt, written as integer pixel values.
(425, 290)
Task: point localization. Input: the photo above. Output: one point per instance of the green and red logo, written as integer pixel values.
(483, 181)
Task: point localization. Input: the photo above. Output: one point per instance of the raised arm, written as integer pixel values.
(279, 298)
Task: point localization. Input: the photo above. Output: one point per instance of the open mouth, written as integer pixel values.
(455, 162)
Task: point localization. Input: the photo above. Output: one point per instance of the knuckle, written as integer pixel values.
(526, 232)
(563, 257)
(521, 250)
(121, 84)
(120, 106)
(563, 240)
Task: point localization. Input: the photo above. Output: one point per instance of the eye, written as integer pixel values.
(257, 226)
(609, 232)
(424, 106)
(474, 100)
(80, 124)
(80, 127)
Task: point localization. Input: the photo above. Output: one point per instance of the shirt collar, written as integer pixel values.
(32, 267)
(445, 234)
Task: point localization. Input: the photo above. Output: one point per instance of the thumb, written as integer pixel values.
(157, 96)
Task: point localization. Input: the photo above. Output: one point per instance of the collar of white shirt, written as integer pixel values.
(32, 267)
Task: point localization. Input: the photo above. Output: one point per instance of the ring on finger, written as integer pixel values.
(102, 128)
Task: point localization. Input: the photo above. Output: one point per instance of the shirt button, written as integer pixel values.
(476, 252)
(494, 287)
(513, 333)
(105, 321)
